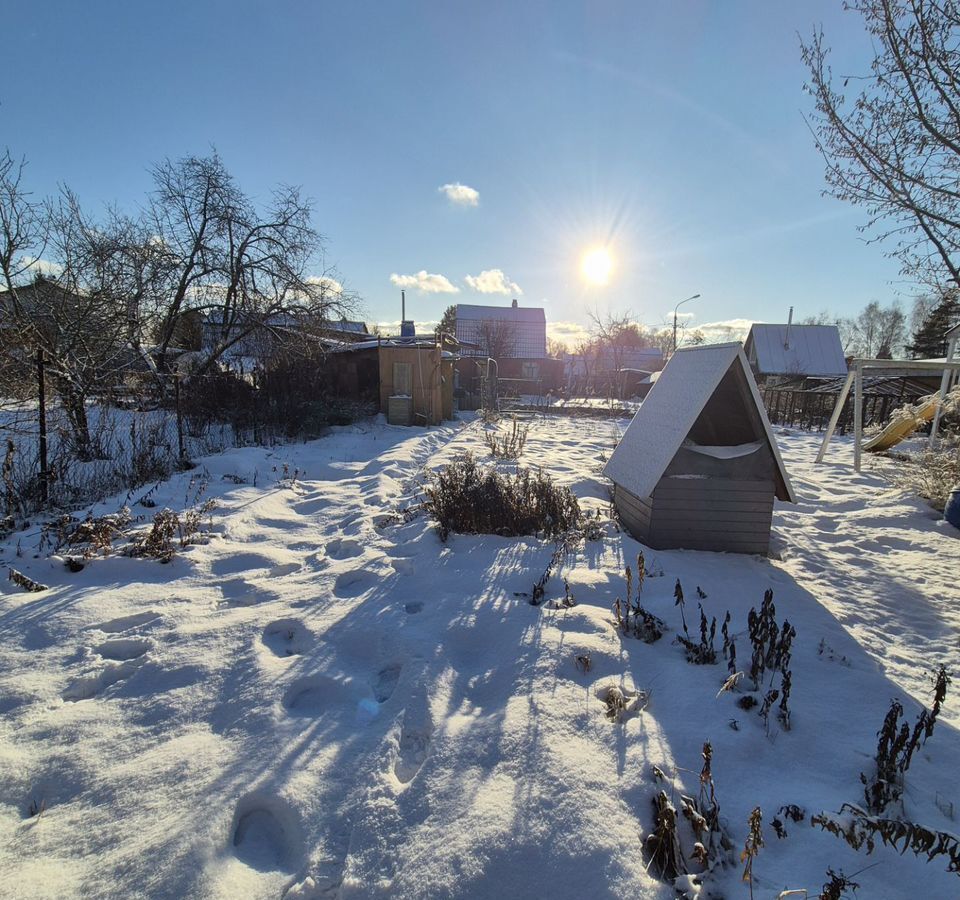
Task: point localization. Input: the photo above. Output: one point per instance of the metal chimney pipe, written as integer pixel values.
(786, 340)
(403, 306)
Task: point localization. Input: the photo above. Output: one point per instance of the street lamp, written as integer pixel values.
(694, 297)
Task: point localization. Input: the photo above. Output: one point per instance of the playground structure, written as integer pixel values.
(897, 430)
(901, 427)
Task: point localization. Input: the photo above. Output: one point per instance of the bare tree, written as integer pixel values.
(65, 322)
(615, 335)
(556, 349)
(242, 267)
(878, 332)
(23, 235)
(498, 338)
(893, 145)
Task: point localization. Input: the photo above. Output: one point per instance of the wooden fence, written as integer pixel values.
(812, 409)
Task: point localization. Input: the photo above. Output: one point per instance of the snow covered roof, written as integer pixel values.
(795, 349)
(674, 404)
(510, 313)
(348, 326)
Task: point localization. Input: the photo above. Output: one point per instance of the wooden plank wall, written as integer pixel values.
(701, 514)
(634, 512)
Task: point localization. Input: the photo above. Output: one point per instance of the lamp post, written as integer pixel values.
(694, 297)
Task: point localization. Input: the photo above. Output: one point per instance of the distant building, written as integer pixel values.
(516, 337)
(622, 373)
(253, 338)
(45, 305)
(503, 332)
(796, 351)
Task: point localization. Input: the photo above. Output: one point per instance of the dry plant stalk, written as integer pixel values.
(859, 829)
(752, 846)
(25, 581)
(509, 445)
(896, 745)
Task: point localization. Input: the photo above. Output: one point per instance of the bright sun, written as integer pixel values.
(596, 265)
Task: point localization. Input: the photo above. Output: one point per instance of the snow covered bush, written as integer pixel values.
(92, 535)
(465, 498)
(930, 473)
(157, 542)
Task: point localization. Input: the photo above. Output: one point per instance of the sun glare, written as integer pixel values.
(597, 265)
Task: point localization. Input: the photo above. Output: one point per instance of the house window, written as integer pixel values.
(531, 370)
(403, 379)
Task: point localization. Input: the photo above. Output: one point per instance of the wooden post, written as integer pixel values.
(935, 425)
(837, 410)
(42, 404)
(857, 416)
(176, 400)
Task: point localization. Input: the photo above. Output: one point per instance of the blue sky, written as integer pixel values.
(671, 132)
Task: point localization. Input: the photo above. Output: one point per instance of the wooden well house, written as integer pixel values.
(698, 467)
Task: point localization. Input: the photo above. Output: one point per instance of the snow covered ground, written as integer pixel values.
(325, 700)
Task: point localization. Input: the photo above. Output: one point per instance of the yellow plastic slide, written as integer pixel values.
(900, 427)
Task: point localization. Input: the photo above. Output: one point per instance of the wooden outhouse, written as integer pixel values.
(698, 467)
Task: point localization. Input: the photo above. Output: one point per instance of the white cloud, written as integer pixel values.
(391, 328)
(425, 282)
(568, 333)
(36, 265)
(725, 330)
(331, 285)
(460, 195)
(493, 281)
(719, 332)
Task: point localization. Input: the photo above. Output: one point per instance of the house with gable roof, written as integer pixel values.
(795, 351)
(515, 336)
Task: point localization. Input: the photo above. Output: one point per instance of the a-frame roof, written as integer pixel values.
(670, 410)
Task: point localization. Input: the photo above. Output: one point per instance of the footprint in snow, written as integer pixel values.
(265, 834)
(343, 548)
(284, 569)
(121, 657)
(286, 637)
(303, 547)
(386, 682)
(354, 583)
(415, 735)
(241, 562)
(315, 694)
(122, 649)
(402, 566)
(127, 623)
(240, 592)
(350, 525)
